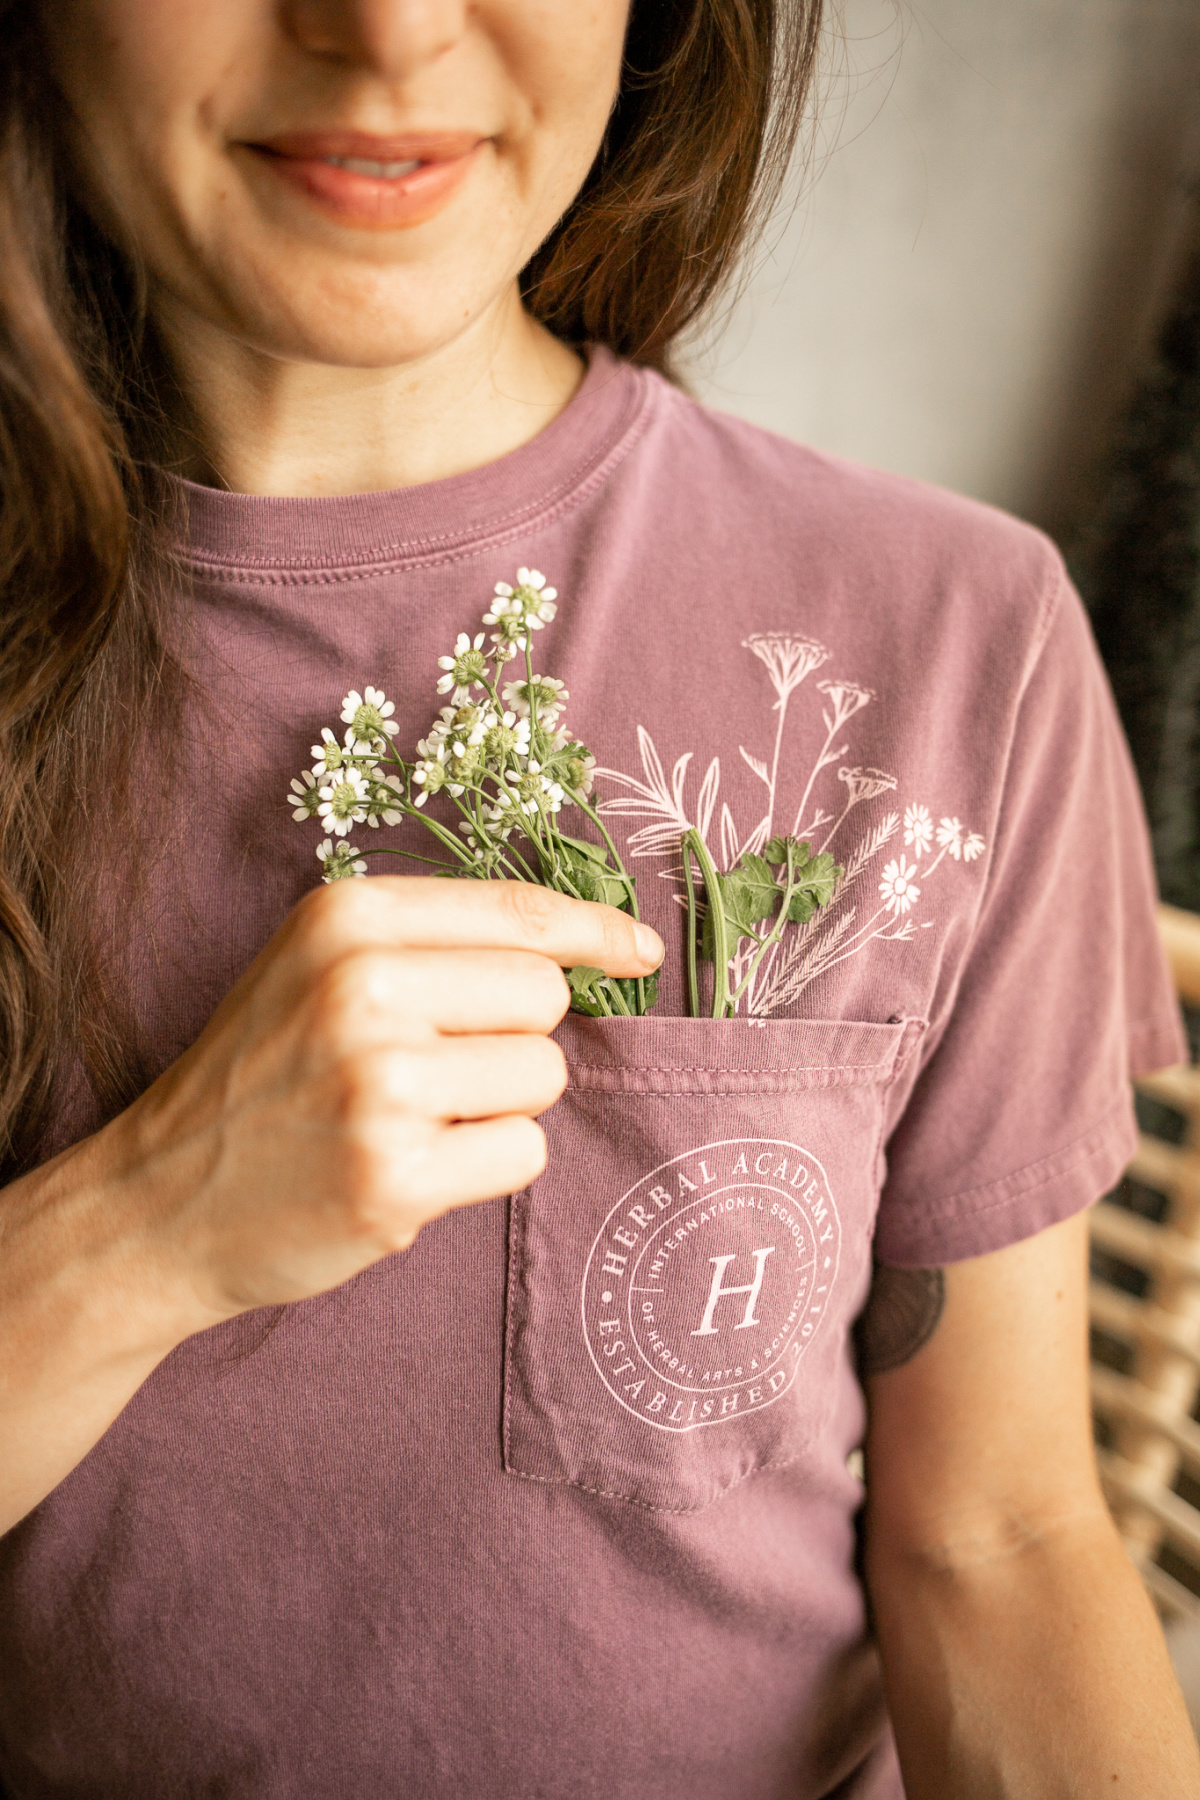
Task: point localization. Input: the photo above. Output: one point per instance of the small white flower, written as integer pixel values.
(973, 847)
(899, 890)
(329, 753)
(305, 796)
(369, 716)
(511, 638)
(382, 808)
(506, 736)
(344, 801)
(530, 603)
(544, 691)
(580, 771)
(339, 861)
(533, 791)
(430, 773)
(950, 837)
(465, 669)
(918, 828)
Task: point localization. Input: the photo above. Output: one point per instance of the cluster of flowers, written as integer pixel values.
(500, 757)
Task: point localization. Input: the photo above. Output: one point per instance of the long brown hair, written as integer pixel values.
(712, 97)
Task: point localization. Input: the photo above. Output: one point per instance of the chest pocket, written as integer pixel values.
(682, 1278)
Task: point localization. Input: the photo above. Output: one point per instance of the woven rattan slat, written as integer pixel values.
(1144, 1304)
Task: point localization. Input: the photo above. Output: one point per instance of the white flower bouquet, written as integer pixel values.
(502, 767)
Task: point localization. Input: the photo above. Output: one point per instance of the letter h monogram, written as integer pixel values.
(752, 1289)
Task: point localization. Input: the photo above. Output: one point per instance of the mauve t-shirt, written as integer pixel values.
(557, 1502)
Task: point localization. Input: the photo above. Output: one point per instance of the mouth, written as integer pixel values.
(367, 182)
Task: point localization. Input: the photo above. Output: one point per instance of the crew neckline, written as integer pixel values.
(274, 537)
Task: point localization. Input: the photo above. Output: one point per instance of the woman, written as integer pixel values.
(325, 1469)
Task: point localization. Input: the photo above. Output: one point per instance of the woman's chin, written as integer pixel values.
(346, 318)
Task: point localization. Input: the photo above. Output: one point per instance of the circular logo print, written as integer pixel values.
(708, 1281)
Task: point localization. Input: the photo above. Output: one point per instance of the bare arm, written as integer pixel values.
(1022, 1658)
(382, 1061)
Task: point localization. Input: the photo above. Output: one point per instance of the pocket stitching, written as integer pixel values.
(762, 1468)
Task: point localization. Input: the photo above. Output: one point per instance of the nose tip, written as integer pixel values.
(392, 38)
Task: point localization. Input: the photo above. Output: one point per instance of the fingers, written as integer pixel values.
(482, 1162)
(425, 913)
(455, 1165)
(380, 996)
(463, 1078)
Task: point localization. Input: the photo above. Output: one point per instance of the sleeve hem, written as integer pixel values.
(1156, 1043)
(1020, 1205)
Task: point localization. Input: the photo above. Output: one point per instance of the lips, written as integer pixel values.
(368, 182)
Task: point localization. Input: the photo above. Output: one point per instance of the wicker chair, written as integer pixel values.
(1145, 1313)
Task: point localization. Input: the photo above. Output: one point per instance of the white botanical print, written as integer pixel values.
(899, 886)
(865, 908)
(918, 828)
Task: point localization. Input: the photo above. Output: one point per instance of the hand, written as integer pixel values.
(383, 1060)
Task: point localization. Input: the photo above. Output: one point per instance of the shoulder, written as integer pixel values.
(919, 556)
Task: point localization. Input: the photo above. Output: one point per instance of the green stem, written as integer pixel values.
(693, 979)
(390, 850)
(529, 689)
(527, 873)
(443, 836)
(590, 812)
(712, 889)
(774, 935)
(617, 998)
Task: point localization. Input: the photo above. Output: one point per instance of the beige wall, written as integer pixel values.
(961, 292)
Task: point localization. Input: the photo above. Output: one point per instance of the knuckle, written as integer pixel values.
(332, 1001)
(348, 1101)
(392, 1182)
(414, 1177)
(535, 910)
(546, 987)
(356, 984)
(333, 914)
(619, 941)
(369, 1085)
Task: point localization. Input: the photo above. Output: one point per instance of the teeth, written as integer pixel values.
(381, 171)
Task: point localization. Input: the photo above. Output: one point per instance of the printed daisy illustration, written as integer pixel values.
(898, 887)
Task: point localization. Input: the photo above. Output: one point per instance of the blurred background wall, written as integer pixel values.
(982, 244)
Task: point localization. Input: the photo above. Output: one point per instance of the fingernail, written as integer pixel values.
(649, 944)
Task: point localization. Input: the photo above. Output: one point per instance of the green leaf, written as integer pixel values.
(597, 852)
(581, 980)
(591, 876)
(818, 877)
(776, 851)
(748, 894)
(801, 907)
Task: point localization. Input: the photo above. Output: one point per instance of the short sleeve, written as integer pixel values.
(1021, 1111)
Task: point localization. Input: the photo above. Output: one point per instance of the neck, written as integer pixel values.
(261, 425)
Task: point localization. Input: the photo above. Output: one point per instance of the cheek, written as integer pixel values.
(564, 58)
(140, 77)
